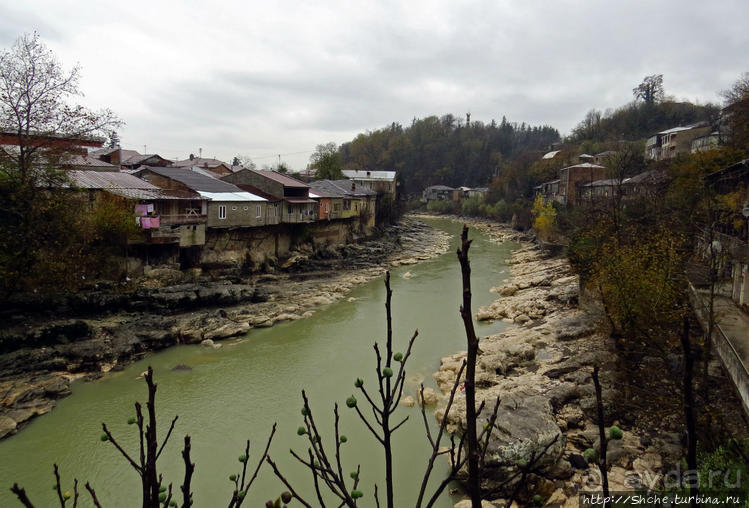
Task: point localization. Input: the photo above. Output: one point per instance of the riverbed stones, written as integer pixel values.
(408, 401)
(430, 397)
(466, 503)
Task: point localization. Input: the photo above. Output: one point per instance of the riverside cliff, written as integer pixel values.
(49, 341)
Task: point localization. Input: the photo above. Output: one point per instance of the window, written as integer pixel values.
(246, 208)
(222, 211)
(234, 208)
(257, 211)
(289, 210)
(327, 207)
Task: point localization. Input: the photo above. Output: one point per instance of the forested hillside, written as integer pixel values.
(444, 150)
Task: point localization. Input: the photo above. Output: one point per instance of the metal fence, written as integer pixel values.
(726, 352)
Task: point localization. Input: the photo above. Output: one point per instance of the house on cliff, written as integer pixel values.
(381, 182)
(165, 216)
(678, 140)
(330, 199)
(226, 205)
(296, 204)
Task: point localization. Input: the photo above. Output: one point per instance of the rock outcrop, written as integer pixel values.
(75, 335)
(539, 369)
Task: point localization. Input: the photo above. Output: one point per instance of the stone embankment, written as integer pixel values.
(86, 335)
(540, 369)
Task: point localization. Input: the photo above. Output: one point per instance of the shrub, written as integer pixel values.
(615, 432)
(590, 455)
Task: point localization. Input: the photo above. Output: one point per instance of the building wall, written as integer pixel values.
(298, 212)
(250, 178)
(580, 175)
(681, 142)
(237, 214)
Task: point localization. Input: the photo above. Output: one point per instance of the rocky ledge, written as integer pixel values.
(540, 369)
(40, 356)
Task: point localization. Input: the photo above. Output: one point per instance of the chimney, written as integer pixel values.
(192, 156)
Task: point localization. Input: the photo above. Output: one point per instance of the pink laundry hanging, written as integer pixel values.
(145, 222)
(155, 222)
(141, 209)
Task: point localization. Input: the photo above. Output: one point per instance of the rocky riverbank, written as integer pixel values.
(540, 369)
(49, 341)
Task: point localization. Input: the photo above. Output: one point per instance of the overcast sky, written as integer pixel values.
(275, 77)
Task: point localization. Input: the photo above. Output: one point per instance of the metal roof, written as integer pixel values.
(584, 165)
(107, 179)
(349, 188)
(124, 184)
(358, 174)
(199, 161)
(299, 200)
(325, 189)
(284, 180)
(88, 161)
(550, 155)
(194, 180)
(258, 192)
(231, 196)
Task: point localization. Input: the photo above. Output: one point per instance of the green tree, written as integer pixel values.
(326, 159)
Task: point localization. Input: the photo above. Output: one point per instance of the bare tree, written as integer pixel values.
(326, 466)
(43, 128)
(36, 104)
(244, 161)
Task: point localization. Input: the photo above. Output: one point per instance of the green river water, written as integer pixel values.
(238, 391)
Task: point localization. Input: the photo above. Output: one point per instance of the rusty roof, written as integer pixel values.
(124, 184)
(284, 180)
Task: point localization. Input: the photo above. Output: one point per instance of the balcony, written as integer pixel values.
(191, 218)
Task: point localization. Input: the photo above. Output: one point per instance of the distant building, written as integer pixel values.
(648, 185)
(572, 176)
(214, 165)
(549, 190)
(128, 159)
(551, 155)
(381, 182)
(437, 193)
(706, 143)
(603, 158)
(672, 142)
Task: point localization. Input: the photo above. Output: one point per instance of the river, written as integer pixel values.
(237, 392)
